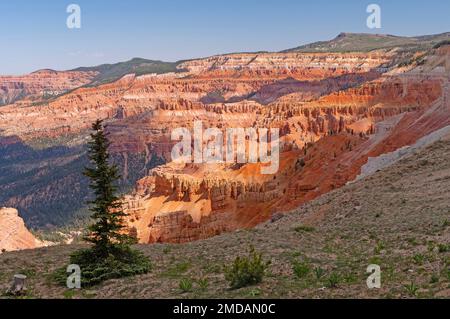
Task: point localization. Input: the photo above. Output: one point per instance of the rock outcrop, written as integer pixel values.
(13, 233)
(41, 84)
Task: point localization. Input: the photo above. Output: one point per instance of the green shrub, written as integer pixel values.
(419, 259)
(412, 289)
(177, 270)
(333, 280)
(203, 283)
(124, 262)
(301, 268)
(304, 229)
(434, 279)
(379, 247)
(185, 285)
(443, 248)
(319, 272)
(246, 271)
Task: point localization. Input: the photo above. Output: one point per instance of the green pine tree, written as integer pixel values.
(111, 255)
(107, 234)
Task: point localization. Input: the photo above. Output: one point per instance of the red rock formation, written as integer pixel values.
(339, 132)
(40, 84)
(333, 111)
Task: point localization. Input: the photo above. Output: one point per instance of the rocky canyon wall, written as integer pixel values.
(334, 110)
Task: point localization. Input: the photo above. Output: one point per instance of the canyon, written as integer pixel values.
(334, 110)
(41, 85)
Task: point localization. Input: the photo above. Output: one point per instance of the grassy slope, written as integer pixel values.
(394, 218)
(347, 42)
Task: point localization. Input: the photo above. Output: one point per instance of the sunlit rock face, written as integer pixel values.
(40, 85)
(13, 233)
(333, 110)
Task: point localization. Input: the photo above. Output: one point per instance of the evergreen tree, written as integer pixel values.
(107, 232)
(112, 255)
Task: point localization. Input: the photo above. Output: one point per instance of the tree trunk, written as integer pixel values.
(18, 286)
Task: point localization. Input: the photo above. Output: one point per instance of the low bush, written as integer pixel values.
(301, 268)
(333, 280)
(246, 271)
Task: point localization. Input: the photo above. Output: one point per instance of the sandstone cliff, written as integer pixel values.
(334, 111)
(13, 233)
(41, 84)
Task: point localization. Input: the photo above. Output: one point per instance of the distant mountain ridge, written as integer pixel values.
(112, 72)
(348, 42)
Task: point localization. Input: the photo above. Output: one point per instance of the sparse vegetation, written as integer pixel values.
(177, 269)
(186, 285)
(445, 223)
(301, 268)
(203, 283)
(380, 246)
(303, 228)
(419, 259)
(319, 272)
(443, 248)
(412, 289)
(333, 280)
(246, 271)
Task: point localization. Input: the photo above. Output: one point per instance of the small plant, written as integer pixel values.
(203, 283)
(443, 248)
(434, 279)
(412, 241)
(177, 270)
(446, 223)
(166, 250)
(412, 289)
(246, 271)
(319, 272)
(304, 229)
(333, 280)
(419, 259)
(379, 247)
(254, 292)
(69, 294)
(301, 269)
(186, 285)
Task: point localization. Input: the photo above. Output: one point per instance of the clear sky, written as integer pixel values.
(34, 35)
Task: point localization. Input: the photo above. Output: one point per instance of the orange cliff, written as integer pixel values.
(325, 144)
(229, 78)
(334, 110)
(13, 233)
(41, 84)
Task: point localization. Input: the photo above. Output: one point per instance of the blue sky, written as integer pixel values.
(34, 34)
